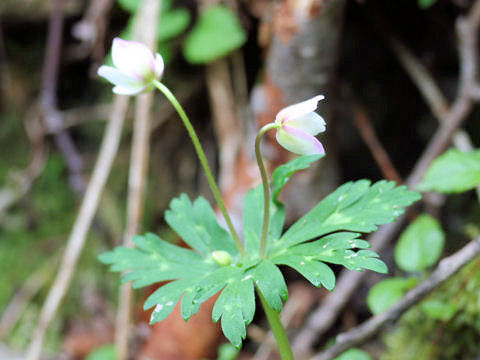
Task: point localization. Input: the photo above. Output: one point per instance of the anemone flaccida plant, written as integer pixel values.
(218, 260)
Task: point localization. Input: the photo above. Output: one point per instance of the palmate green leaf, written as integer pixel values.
(194, 274)
(354, 206)
(309, 258)
(269, 279)
(254, 202)
(253, 221)
(154, 260)
(420, 245)
(453, 172)
(197, 225)
(236, 307)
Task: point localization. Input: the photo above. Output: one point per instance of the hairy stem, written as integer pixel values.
(277, 329)
(266, 187)
(203, 160)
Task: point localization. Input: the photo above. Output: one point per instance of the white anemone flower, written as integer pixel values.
(135, 67)
(298, 125)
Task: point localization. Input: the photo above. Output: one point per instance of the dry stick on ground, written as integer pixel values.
(445, 270)
(148, 16)
(48, 99)
(324, 317)
(81, 226)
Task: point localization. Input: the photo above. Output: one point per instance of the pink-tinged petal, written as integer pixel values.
(159, 66)
(118, 78)
(299, 141)
(297, 110)
(311, 123)
(133, 58)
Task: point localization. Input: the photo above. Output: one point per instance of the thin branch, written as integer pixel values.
(81, 226)
(445, 270)
(430, 90)
(48, 99)
(325, 315)
(369, 136)
(140, 151)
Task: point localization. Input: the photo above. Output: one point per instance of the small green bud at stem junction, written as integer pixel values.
(222, 258)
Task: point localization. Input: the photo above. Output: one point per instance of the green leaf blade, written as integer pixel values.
(269, 279)
(216, 33)
(453, 172)
(236, 307)
(354, 206)
(282, 174)
(387, 293)
(420, 245)
(197, 225)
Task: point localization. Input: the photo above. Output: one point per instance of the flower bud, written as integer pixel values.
(298, 125)
(222, 257)
(135, 67)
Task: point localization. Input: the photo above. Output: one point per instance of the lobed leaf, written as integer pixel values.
(155, 260)
(197, 225)
(282, 174)
(269, 279)
(354, 206)
(236, 307)
(253, 221)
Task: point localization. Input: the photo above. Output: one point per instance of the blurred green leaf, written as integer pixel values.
(388, 292)
(227, 352)
(133, 5)
(439, 310)
(425, 4)
(453, 172)
(106, 352)
(216, 34)
(420, 245)
(172, 23)
(354, 354)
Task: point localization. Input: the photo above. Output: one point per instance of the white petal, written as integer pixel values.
(133, 58)
(127, 91)
(118, 78)
(311, 123)
(298, 110)
(159, 66)
(298, 141)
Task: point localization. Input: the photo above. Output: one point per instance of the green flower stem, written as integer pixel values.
(203, 160)
(277, 329)
(266, 187)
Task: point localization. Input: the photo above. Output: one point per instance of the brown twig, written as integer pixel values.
(81, 226)
(48, 100)
(369, 136)
(140, 151)
(322, 318)
(445, 270)
(431, 92)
